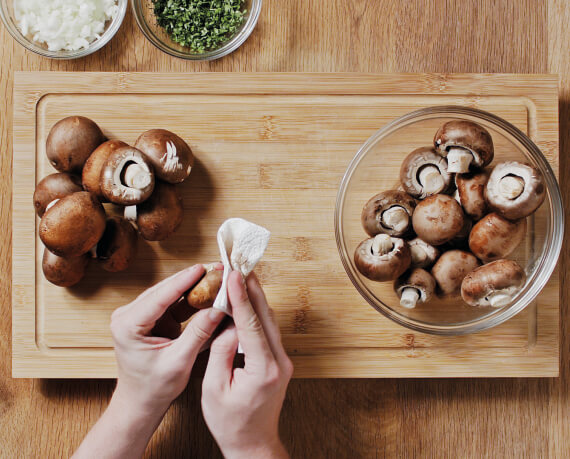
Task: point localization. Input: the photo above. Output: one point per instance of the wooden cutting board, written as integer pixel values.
(271, 148)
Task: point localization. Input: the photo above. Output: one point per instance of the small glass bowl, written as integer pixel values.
(144, 14)
(9, 19)
(376, 167)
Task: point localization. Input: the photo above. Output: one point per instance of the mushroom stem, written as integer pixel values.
(382, 244)
(419, 255)
(511, 186)
(130, 214)
(499, 299)
(458, 160)
(430, 178)
(395, 218)
(409, 298)
(136, 176)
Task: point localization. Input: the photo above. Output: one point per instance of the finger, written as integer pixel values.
(249, 329)
(181, 311)
(220, 363)
(197, 332)
(151, 305)
(166, 327)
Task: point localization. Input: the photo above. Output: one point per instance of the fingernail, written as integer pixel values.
(216, 314)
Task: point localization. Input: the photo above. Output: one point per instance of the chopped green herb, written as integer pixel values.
(201, 25)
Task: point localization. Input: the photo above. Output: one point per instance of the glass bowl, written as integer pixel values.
(144, 14)
(7, 14)
(376, 167)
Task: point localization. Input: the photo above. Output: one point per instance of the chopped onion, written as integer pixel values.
(64, 24)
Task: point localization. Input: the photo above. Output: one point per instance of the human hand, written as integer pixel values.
(241, 406)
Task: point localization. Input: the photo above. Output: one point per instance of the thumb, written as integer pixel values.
(197, 332)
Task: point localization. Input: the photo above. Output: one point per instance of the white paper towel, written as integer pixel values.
(242, 245)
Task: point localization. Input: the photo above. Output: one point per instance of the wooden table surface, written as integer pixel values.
(328, 418)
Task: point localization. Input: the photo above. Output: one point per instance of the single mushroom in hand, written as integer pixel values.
(127, 177)
(53, 187)
(494, 284)
(73, 225)
(495, 237)
(91, 176)
(450, 270)
(203, 294)
(118, 245)
(423, 254)
(389, 212)
(438, 219)
(471, 193)
(170, 156)
(160, 215)
(424, 173)
(465, 144)
(71, 141)
(382, 258)
(515, 190)
(415, 286)
(64, 271)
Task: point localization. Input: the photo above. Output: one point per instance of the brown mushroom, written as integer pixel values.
(495, 237)
(494, 284)
(388, 212)
(64, 272)
(424, 173)
(450, 270)
(127, 178)
(71, 141)
(118, 245)
(423, 254)
(73, 225)
(160, 215)
(471, 193)
(203, 294)
(465, 144)
(461, 239)
(382, 258)
(52, 187)
(414, 286)
(170, 156)
(515, 190)
(92, 169)
(438, 219)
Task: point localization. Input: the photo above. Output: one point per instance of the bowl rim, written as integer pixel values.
(67, 55)
(553, 240)
(229, 47)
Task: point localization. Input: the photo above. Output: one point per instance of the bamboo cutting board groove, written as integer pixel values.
(271, 148)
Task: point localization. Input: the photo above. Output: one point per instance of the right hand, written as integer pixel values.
(241, 406)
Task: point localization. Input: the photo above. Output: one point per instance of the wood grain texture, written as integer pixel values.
(329, 418)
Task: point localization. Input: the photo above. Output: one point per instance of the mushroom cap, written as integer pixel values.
(495, 237)
(438, 219)
(91, 175)
(71, 141)
(73, 225)
(414, 163)
(112, 177)
(384, 267)
(161, 214)
(64, 272)
(203, 294)
(170, 156)
(118, 245)
(419, 279)
(468, 135)
(423, 254)
(450, 270)
(471, 193)
(54, 186)
(461, 239)
(371, 217)
(499, 275)
(527, 202)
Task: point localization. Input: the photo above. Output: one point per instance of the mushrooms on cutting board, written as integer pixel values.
(382, 258)
(415, 286)
(438, 219)
(64, 271)
(118, 245)
(495, 237)
(389, 212)
(52, 187)
(450, 269)
(424, 173)
(465, 144)
(494, 284)
(471, 193)
(91, 176)
(515, 190)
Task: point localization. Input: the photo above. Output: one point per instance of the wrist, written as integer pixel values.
(133, 408)
(268, 450)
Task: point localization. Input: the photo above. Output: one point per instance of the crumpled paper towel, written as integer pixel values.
(242, 245)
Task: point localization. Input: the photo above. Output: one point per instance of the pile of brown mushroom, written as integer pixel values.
(92, 170)
(454, 216)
